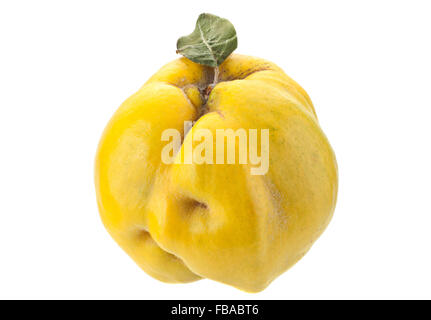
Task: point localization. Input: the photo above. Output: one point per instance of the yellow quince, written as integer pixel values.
(181, 222)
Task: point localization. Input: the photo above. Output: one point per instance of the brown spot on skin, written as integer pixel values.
(193, 204)
(220, 113)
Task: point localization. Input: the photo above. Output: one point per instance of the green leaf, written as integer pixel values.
(212, 41)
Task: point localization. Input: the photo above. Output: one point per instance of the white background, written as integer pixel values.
(65, 66)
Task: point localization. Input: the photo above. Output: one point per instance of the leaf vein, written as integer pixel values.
(206, 43)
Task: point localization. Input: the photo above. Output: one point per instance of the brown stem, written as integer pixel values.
(216, 75)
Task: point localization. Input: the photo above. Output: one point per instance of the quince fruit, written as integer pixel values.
(181, 222)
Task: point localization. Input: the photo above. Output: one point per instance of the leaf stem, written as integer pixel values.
(216, 75)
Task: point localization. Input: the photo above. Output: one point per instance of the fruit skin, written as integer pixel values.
(182, 222)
